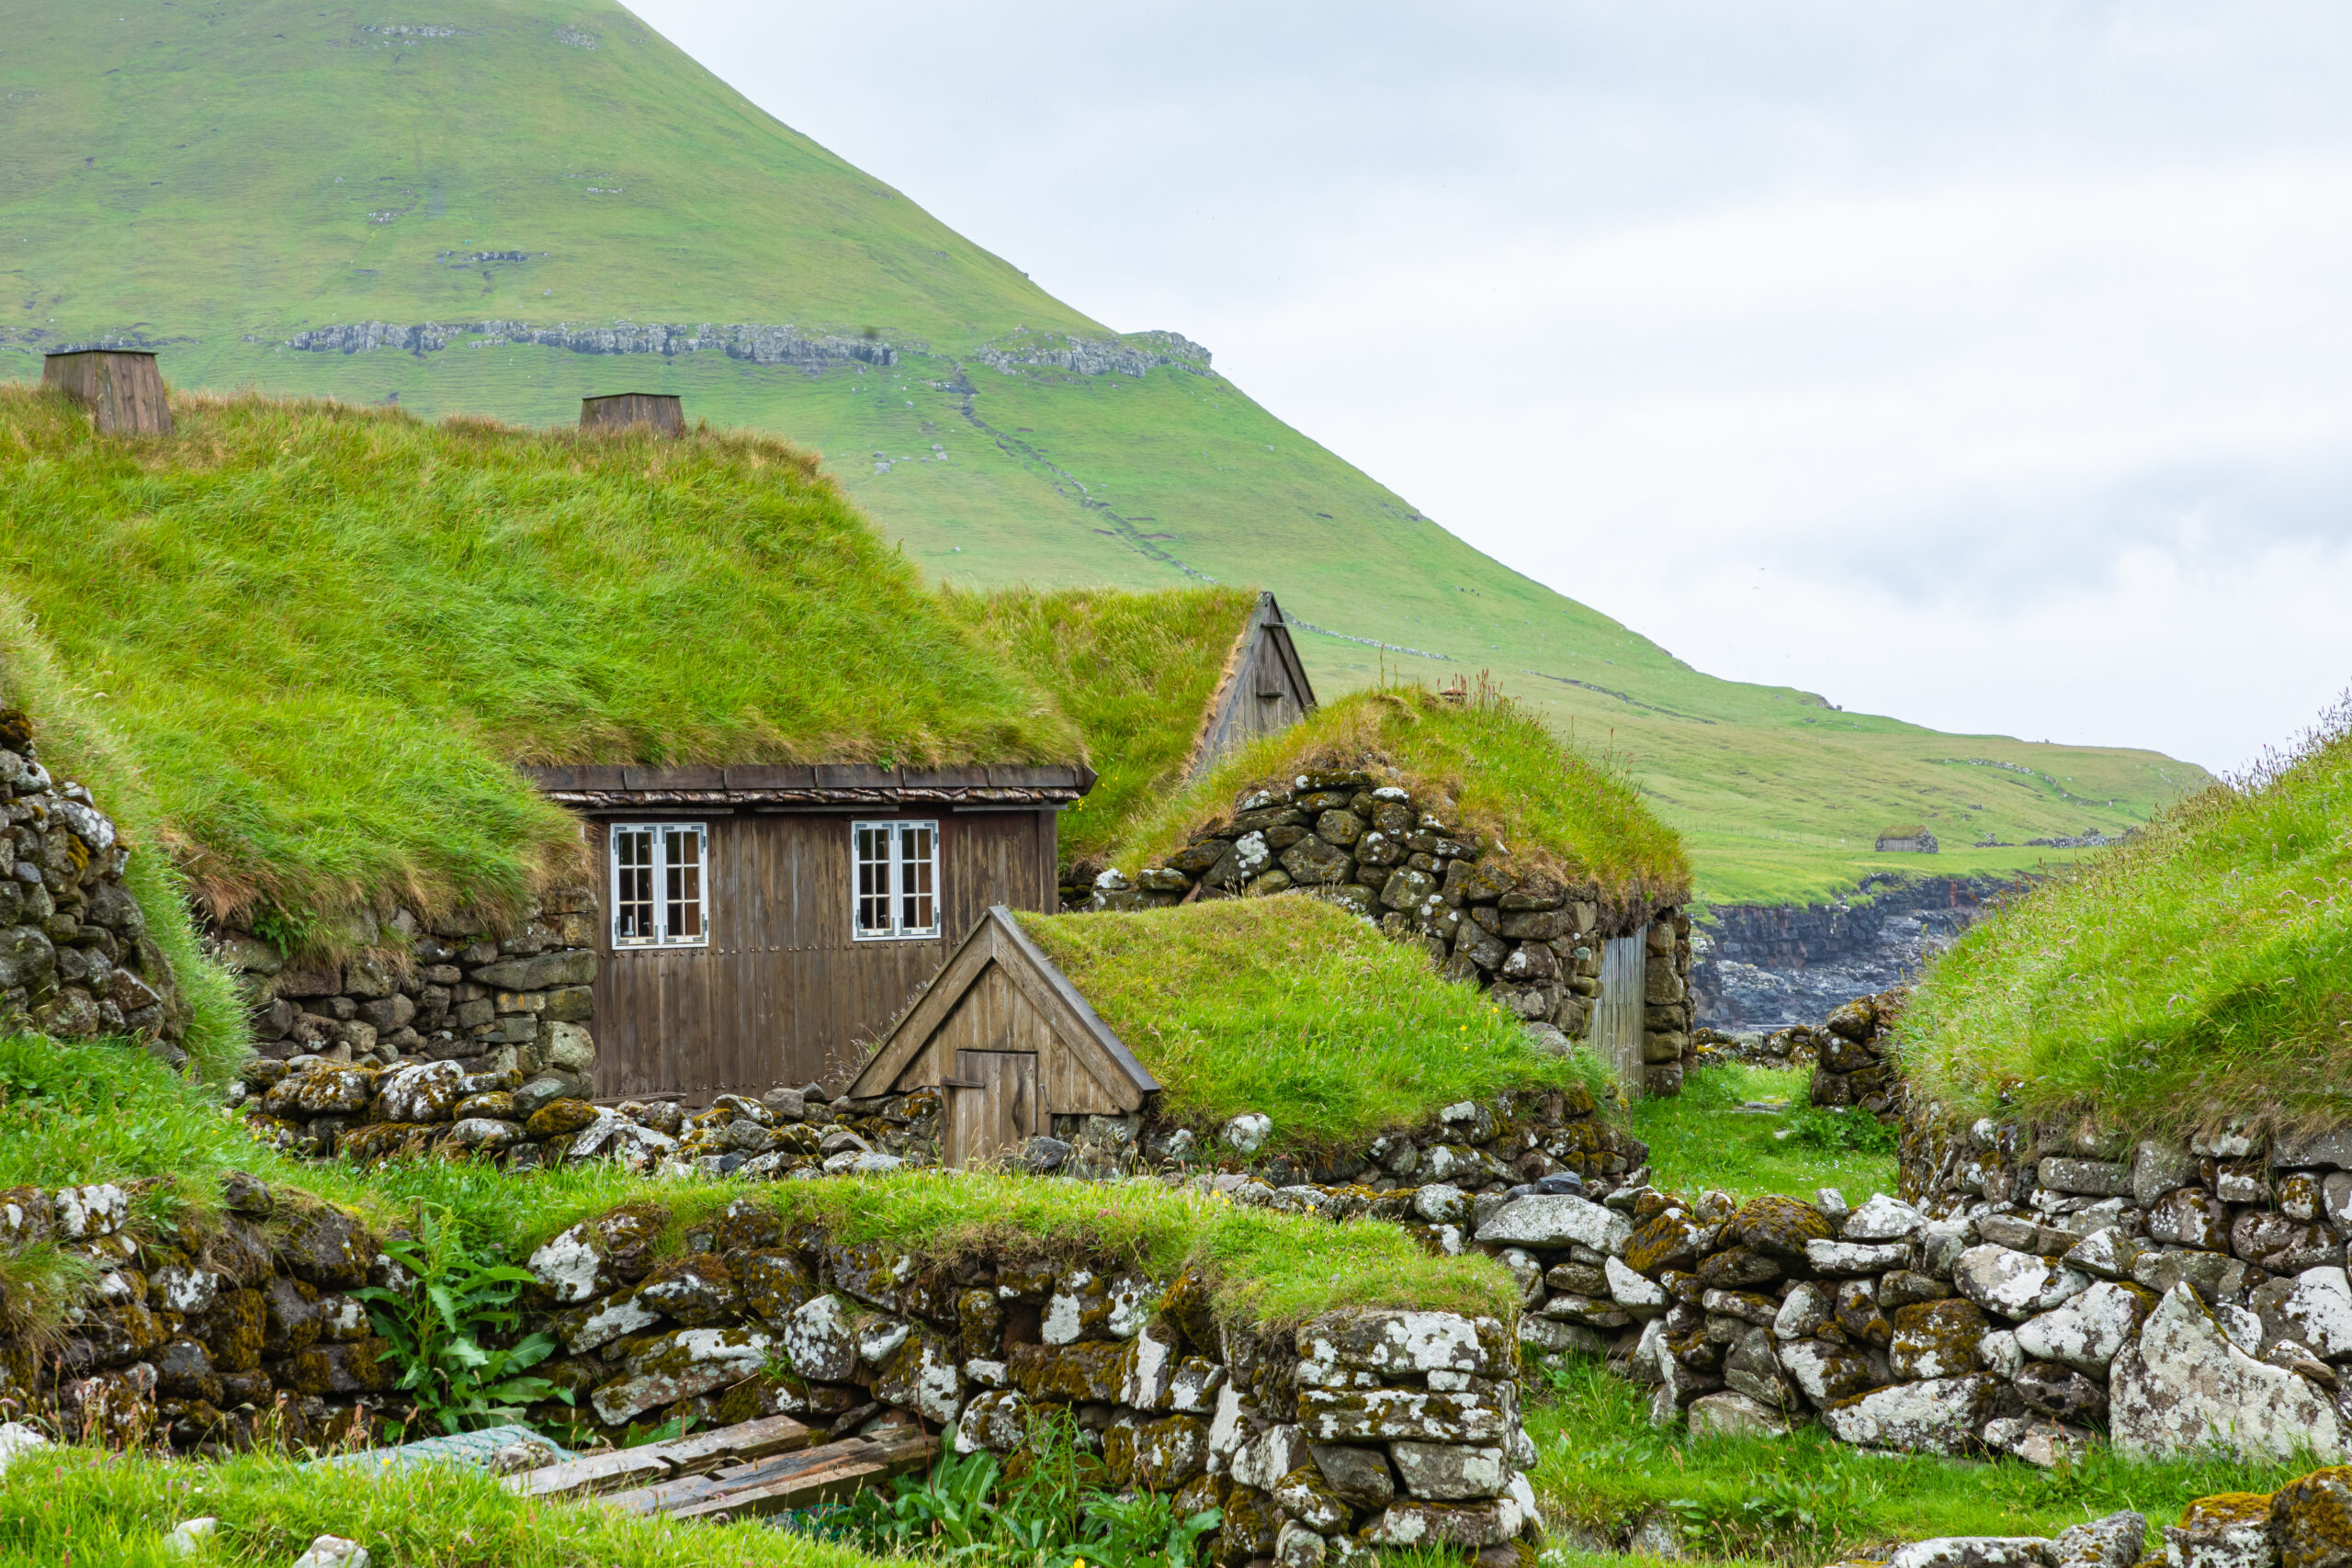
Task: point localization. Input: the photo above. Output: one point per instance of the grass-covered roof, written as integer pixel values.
(323, 633)
(1291, 1006)
(1546, 802)
(1135, 672)
(2199, 972)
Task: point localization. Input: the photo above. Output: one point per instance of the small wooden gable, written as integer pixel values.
(1265, 689)
(1012, 1044)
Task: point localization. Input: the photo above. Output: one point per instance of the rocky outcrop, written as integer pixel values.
(760, 344)
(1370, 844)
(1137, 354)
(1770, 966)
(76, 961)
(450, 988)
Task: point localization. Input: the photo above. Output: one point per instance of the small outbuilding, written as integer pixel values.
(1911, 840)
(1265, 690)
(1007, 1039)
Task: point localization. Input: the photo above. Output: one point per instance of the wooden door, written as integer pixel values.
(998, 1115)
(1617, 1022)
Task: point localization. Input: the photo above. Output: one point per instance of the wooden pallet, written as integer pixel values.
(822, 1475)
(626, 1470)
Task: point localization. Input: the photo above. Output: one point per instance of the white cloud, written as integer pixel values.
(2008, 342)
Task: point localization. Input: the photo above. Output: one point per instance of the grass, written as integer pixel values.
(1543, 804)
(1294, 1007)
(325, 635)
(99, 1112)
(2201, 973)
(307, 173)
(1701, 1139)
(1804, 1498)
(1135, 672)
(75, 1506)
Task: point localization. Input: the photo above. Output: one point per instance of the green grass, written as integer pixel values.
(1294, 1007)
(1543, 804)
(1135, 672)
(205, 178)
(323, 635)
(100, 1112)
(2199, 973)
(1806, 1499)
(78, 1505)
(1701, 1139)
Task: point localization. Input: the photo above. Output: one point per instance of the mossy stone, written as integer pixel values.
(2311, 1519)
(1779, 1226)
(559, 1119)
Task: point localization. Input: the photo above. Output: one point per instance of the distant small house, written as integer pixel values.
(1911, 841)
(1264, 691)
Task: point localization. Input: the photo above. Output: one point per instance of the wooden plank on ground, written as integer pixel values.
(640, 1467)
(752, 1495)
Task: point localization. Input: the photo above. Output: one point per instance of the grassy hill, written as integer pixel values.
(219, 183)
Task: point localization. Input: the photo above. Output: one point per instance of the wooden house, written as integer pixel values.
(1264, 690)
(1911, 838)
(1010, 1042)
(756, 921)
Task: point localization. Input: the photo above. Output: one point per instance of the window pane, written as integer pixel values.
(873, 874)
(632, 885)
(916, 902)
(682, 849)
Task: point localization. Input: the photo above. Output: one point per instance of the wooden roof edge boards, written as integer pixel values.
(998, 936)
(1069, 995)
(620, 787)
(1276, 632)
(1265, 622)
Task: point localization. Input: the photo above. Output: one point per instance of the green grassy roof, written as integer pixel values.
(1547, 804)
(2198, 972)
(1134, 670)
(325, 634)
(1291, 1006)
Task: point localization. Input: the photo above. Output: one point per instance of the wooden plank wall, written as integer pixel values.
(783, 994)
(1617, 1022)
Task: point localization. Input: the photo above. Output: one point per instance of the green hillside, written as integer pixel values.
(218, 182)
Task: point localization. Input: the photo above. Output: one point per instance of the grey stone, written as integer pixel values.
(1939, 1416)
(1971, 1552)
(2114, 1541)
(2184, 1388)
(1854, 1258)
(1450, 1472)
(2330, 1147)
(1731, 1414)
(2014, 1284)
(1359, 1476)
(2086, 1332)
(2160, 1166)
(1883, 1219)
(1554, 1220)
(2215, 1275)
(2109, 1254)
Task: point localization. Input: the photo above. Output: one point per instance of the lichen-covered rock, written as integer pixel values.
(1449, 1472)
(2059, 1392)
(821, 1338)
(1360, 1477)
(1731, 1414)
(1306, 1497)
(601, 1323)
(2319, 1311)
(2014, 1284)
(2107, 1254)
(2230, 1529)
(1395, 1342)
(1170, 1452)
(326, 1247)
(359, 1367)
(1264, 1457)
(1092, 1370)
(2184, 1388)
(695, 1291)
(2310, 1520)
(559, 1119)
(775, 1284)
(480, 1133)
(1939, 1415)
(419, 1091)
(994, 1422)
(1883, 1219)
(679, 1365)
(2086, 1332)
(2111, 1542)
(1341, 1415)
(921, 1375)
(1779, 1228)
(1972, 1552)
(1471, 1525)
(1855, 1258)
(1668, 1240)
(84, 1213)
(1936, 1339)
(1556, 1220)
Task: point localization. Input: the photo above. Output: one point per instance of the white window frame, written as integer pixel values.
(662, 867)
(910, 875)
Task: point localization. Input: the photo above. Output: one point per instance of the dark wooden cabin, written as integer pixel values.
(1265, 689)
(662, 413)
(759, 922)
(120, 387)
(1011, 1042)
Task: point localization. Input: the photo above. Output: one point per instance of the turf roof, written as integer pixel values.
(324, 633)
(1135, 671)
(2196, 972)
(1291, 1006)
(1546, 804)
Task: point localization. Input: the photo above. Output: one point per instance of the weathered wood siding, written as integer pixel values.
(1616, 1036)
(1267, 693)
(783, 994)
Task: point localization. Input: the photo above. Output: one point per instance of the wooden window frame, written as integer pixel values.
(903, 874)
(658, 870)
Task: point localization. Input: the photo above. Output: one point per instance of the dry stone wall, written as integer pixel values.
(1854, 1056)
(76, 961)
(453, 989)
(1529, 940)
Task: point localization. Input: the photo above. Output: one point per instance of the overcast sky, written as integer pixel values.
(1986, 365)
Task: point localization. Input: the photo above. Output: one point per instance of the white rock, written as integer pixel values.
(1851, 1258)
(2320, 1310)
(1806, 1309)
(1971, 1552)
(1264, 1460)
(1998, 1354)
(1631, 1290)
(879, 1338)
(2240, 1326)
(2015, 1284)
(1883, 1219)
(821, 1340)
(2114, 1541)
(334, 1552)
(1449, 1471)
(84, 1212)
(2184, 1388)
(1733, 1414)
(1939, 1416)
(618, 1317)
(1553, 1220)
(16, 1438)
(188, 1535)
(1440, 1202)
(1226, 1431)
(1246, 1132)
(567, 1265)
(2086, 1332)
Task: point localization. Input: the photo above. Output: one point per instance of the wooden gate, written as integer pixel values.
(995, 1106)
(1617, 1022)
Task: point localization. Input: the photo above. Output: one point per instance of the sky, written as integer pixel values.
(1988, 365)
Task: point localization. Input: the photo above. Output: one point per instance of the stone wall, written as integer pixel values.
(453, 989)
(76, 960)
(1853, 1055)
(1359, 1429)
(1532, 941)
(1773, 965)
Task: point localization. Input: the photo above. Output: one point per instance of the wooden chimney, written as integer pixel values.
(658, 412)
(120, 387)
